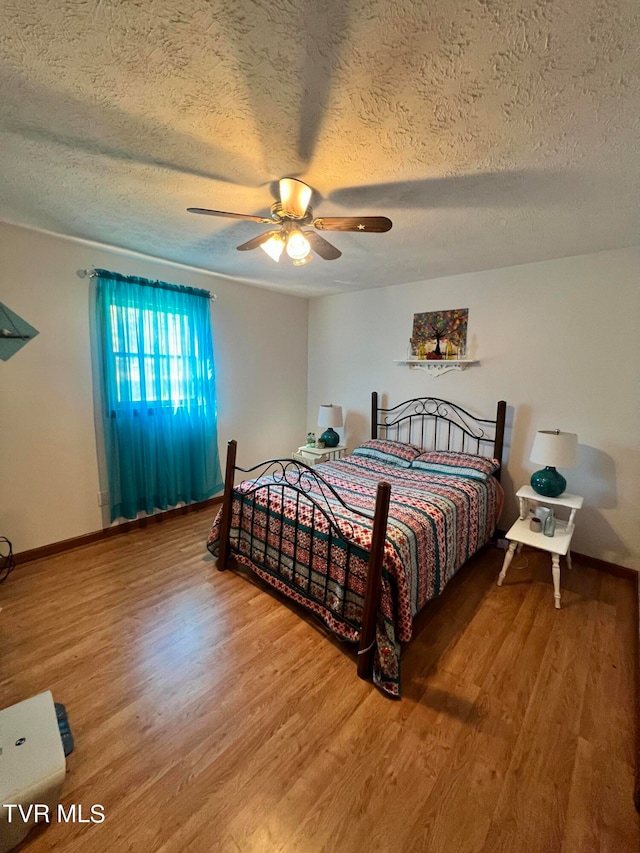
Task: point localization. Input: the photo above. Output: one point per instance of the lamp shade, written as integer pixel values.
(330, 416)
(274, 246)
(554, 448)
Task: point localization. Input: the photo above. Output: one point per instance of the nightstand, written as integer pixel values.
(558, 545)
(315, 455)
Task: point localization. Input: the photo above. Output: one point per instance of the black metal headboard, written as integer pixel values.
(437, 424)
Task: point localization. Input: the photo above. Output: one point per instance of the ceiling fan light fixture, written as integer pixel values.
(294, 196)
(298, 247)
(292, 223)
(274, 246)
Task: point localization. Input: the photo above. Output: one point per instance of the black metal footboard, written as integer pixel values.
(293, 529)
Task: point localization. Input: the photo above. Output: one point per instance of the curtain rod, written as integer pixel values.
(91, 273)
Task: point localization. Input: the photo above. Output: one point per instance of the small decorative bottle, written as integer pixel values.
(422, 351)
(549, 528)
(449, 351)
(410, 352)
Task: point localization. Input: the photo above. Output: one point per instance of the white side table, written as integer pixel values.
(558, 545)
(315, 455)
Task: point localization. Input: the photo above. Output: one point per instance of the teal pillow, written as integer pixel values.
(456, 464)
(391, 452)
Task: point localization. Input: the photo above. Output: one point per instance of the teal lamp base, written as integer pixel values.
(548, 482)
(330, 437)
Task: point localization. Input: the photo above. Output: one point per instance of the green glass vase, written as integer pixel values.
(548, 482)
(330, 437)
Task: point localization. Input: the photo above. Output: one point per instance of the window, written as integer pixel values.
(155, 388)
(155, 356)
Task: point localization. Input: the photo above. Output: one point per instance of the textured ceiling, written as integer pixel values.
(492, 132)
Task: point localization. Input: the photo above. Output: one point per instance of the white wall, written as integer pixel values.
(559, 341)
(48, 464)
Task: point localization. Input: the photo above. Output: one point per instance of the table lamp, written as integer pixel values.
(330, 416)
(552, 448)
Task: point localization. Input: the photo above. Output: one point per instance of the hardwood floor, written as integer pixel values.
(208, 716)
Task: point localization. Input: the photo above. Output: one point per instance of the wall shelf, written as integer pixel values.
(437, 367)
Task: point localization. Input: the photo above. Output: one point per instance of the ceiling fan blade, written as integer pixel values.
(229, 215)
(322, 247)
(256, 241)
(366, 224)
(294, 197)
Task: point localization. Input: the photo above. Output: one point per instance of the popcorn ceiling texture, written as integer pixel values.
(492, 132)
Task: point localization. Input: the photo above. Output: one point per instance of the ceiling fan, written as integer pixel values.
(289, 215)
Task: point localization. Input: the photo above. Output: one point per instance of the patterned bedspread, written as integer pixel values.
(436, 523)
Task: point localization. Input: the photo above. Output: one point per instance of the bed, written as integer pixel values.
(364, 542)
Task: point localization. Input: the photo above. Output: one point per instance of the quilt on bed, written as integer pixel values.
(436, 523)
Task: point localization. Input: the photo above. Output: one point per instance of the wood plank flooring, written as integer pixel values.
(209, 716)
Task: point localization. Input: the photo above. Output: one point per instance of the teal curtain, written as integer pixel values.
(153, 361)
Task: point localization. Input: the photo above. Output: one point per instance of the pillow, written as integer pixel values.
(392, 452)
(456, 464)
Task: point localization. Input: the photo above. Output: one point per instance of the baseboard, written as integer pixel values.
(108, 532)
(127, 526)
(604, 566)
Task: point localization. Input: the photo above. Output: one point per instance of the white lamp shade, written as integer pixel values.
(274, 246)
(554, 448)
(330, 416)
(298, 247)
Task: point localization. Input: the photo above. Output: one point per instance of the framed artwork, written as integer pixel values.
(441, 332)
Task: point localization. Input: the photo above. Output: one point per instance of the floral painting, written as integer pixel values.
(437, 330)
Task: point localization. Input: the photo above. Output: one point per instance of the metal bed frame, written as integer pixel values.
(437, 424)
(428, 421)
